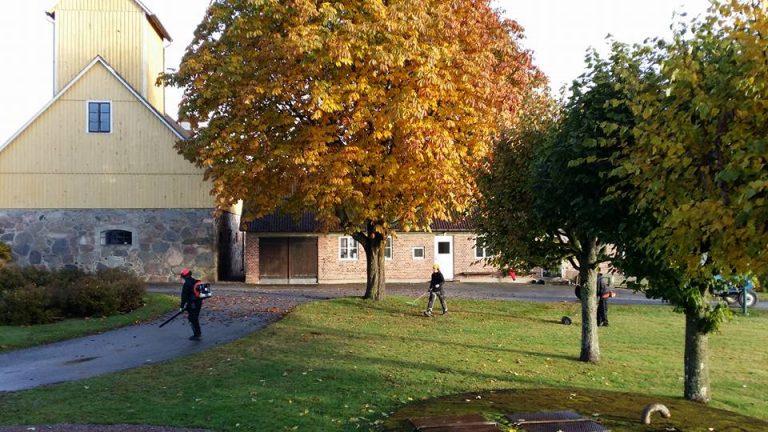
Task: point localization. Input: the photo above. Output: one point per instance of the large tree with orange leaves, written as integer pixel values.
(371, 113)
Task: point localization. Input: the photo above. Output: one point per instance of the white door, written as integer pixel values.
(444, 255)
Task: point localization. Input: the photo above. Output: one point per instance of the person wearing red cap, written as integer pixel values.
(190, 303)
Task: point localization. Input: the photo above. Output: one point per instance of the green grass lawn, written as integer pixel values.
(347, 364)
(12, 337)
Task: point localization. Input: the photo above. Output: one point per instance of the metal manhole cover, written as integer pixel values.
(464, 423)
(555, 421)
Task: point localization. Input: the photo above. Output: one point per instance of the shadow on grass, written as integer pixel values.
(360, 334)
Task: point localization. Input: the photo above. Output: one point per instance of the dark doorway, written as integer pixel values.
(288, 259)
(231, 249)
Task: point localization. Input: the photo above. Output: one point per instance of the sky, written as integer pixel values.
(558, 32)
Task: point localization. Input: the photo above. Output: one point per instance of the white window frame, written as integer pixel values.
(87, 116)
(349, 249)
(389, 242)
(485, 252)
(423, 253)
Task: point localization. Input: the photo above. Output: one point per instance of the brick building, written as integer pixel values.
(282, 250)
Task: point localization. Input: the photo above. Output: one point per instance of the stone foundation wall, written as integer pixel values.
(163, 240)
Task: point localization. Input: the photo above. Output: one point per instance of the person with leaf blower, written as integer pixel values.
(436, 289)
(191, 303)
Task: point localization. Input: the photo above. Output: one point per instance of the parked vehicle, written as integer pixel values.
(737, 291)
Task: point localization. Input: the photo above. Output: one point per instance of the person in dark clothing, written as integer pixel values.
(191, 304)
(603, 294)
(436, 289)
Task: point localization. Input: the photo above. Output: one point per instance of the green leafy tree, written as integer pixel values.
(698, 167)
(371, 114)
(546, 193)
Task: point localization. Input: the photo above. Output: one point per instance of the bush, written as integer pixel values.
(91, 297)
(129, 288)
(26, 305)
(5, 254)
(43, 295)
(11, 277)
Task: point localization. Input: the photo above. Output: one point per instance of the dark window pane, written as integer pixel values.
(104, 108)
(93, 127)
(104, 125)
(93, 107)
(443, 247)
(118, 237)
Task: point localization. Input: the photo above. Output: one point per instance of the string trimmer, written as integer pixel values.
(414, 301)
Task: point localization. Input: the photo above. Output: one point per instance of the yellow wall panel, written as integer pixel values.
(116, 36)
(32, 191)
(118, 31)
(154, 54)
(54, 163)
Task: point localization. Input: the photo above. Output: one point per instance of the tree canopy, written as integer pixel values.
(696, 168)
(700, 163)
(546, 192)
(372, 114)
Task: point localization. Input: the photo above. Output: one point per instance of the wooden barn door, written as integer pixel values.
(302, 260)
(288, 259)
(273, 259)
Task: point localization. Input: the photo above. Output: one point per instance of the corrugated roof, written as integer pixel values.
(279, 223)
(284, 224)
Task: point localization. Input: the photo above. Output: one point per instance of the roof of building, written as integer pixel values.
(154, 21)
(281, 223)
(177, 130)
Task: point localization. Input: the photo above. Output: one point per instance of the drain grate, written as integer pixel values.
(464, 423)
(555, 421)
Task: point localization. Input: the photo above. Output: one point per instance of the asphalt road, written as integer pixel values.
(235, 311)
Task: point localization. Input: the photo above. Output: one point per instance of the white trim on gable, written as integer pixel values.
(97, 59)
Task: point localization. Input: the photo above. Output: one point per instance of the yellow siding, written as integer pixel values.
(155, 56)
(118, 31)
(54, 163)
(74, 191)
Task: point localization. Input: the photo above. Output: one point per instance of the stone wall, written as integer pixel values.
(163, 240)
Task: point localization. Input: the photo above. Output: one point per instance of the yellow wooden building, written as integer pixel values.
(93, 180)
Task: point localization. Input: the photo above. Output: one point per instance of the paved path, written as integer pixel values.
(235, 311)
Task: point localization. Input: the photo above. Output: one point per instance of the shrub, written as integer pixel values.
(11, 277)
(67, 292)
(129, 288)
(90, 297)
(38, 276)
(67, 276)
(5, 254)
(26, 305)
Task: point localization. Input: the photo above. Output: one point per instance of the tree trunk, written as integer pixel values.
(696, 359)
(375, 287)
(590, 346)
